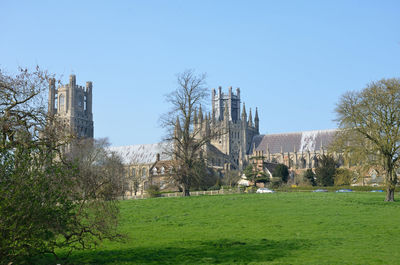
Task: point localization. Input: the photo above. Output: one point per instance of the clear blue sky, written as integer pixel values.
(291, 59)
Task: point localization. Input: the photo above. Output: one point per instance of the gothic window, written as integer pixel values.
(143, 172)
(155, 171)
(133, 172)
(84, 103)
(162, 170)
(62, 102)
(303, 163)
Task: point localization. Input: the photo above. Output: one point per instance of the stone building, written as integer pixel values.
(73, 104)
(145, 164)
(298, 150)
(229, 149)
(238, 144)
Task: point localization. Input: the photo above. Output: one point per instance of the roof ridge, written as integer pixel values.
(326, 130)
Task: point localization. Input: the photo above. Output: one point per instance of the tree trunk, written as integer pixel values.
(389, 194)
(185, 191)
(391, 182)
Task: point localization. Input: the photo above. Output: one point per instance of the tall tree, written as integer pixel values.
(369, 121)
(47, 201)
(186, 139)
(326, 170)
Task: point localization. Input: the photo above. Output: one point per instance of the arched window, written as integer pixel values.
(62, 102)
(133, 172)
(144, 172)
(162, 170)
(154, 171)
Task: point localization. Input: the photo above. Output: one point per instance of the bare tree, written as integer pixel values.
(187, 140)
(369, 122)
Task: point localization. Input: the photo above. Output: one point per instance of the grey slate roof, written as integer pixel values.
(141, 153)
(301, 141)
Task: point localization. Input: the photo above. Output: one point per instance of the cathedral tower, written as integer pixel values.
(73, 104)
(236, 131)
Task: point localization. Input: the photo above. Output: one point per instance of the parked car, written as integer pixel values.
(264, 190)
(320, 190)
(344, 190)
(376, 190)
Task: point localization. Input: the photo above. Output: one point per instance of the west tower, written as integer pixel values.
(73, 104)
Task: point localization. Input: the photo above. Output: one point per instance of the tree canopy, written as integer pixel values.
(187, 140)
(49, 198)
(369, 121)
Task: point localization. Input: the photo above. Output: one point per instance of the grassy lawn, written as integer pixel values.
(280, 228)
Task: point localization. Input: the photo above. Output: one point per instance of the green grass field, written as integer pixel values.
(280, 228)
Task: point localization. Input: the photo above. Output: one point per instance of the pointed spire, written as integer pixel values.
(195, 116)
(256, 117)
(178, 129)
(257, 121)
(244, 115)
(250, 119)
(200, 117)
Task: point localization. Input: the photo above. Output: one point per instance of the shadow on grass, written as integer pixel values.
(197, 252)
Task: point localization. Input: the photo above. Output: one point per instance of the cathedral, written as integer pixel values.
(241, 140)
(240, 143)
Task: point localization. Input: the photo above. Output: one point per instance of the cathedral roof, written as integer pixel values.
(141, 153)
(288, 142)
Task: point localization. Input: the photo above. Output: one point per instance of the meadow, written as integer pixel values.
(279, 228)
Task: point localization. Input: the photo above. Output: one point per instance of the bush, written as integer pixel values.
(344, 176)
(153, 191)
(276, 182)
(309, 177)
(215, 187)
(281, 171)
(251, 189)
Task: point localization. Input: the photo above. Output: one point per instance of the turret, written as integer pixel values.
(200, 117)
(89, 87)
(52, 95)
(195, 117)
(71, 101)
(244, 115)
(257, 122)
(250, 119)
(177, 130)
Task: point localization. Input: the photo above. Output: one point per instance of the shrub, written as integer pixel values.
(309, 177)
(344, 176)
(153, 191)
(281, 171)
(276, 182)
(250, 189)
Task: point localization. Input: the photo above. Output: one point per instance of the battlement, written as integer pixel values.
(222, 95)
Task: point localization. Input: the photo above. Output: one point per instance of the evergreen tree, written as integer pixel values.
(325, 172)
(281, 171)
(309, 176)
